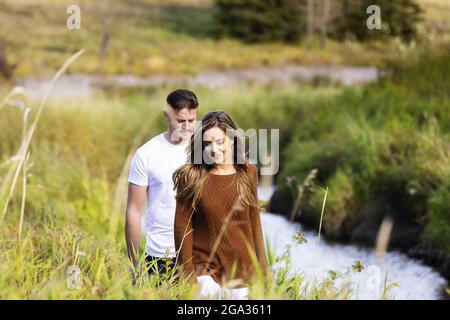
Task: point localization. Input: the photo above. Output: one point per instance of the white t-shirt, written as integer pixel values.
(153, 165)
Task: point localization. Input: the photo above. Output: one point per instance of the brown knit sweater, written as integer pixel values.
(219, 237)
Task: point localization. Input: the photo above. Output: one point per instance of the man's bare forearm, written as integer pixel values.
(133, 234)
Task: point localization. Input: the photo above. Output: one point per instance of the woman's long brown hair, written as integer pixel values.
(190, 178)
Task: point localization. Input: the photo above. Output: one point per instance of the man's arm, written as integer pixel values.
(135, 204)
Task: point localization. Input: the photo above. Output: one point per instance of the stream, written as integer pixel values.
(84, 85)
(415, 280)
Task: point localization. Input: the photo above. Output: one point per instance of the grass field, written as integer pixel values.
(149, 37)
(76, 173)
(75, 197)
(68, 204)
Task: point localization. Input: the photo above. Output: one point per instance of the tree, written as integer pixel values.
(260, 20)
(399, 19)
(105, 29)
(289, 20)
(6, 68)
(324, 22)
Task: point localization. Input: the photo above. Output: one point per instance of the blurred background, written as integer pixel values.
(364, 120)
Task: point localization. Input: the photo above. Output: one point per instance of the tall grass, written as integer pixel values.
(383, 148)
(10, 180)
(70, 214)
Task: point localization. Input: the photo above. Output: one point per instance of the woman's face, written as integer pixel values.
(217, 146)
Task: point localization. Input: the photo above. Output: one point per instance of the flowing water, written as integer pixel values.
(84, 85)
(415, 280)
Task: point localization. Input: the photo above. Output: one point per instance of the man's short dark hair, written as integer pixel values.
(182, 98)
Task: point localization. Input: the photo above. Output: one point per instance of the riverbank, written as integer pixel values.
(381, 151)
(84, 86)
(415, 280)
(314, 259)
(405, 236)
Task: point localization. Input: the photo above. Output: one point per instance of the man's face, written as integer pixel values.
(181, 123)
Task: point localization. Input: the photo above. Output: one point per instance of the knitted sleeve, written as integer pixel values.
(255, 217)
(183, 233)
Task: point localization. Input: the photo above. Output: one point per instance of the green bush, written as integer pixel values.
(438, 227)
(382, 148)
(340, 203)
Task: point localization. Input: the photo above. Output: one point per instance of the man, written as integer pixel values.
(150, 179)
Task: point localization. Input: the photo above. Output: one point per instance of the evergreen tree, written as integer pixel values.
(260, 20)
(286, 20)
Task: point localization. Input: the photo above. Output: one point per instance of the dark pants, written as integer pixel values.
(162, 267)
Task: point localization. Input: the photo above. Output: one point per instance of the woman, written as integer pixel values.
(218, 234)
